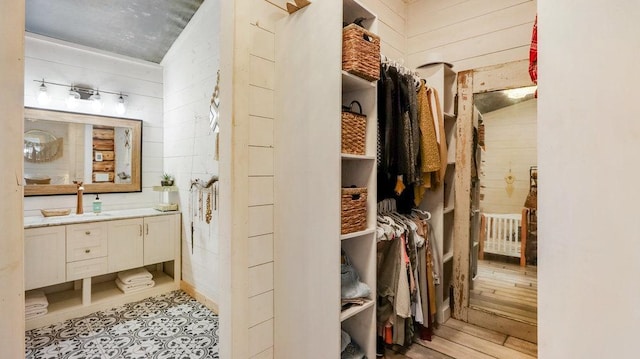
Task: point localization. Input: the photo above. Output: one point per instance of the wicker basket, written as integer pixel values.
(354, 127)
(361, 52)
(354, 210)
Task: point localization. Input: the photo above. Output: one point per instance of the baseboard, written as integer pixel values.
(206, 301)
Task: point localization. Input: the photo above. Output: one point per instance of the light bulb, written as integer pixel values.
(43, 96)
(120, 106)
(73, 100)
(96, 102)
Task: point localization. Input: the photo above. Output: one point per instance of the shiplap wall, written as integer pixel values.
(190, 68)
(469, 33)
(392, 26)
(65, 63)
(510, 137)
(262, 24)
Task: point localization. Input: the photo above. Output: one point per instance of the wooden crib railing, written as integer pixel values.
(503, 234)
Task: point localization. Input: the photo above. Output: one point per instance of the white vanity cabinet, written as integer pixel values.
(75, 259)
(44, 257)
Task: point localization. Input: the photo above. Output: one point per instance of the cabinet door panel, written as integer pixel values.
(125, 244)
(44, 256)
(160, 239)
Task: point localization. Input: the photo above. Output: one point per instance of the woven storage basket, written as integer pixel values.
(354, 210)
(354, 127)
(361, 52)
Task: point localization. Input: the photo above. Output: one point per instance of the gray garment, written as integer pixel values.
(415, 131)
(388, 274)
(437, 260)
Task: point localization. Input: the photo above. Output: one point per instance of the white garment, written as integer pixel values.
(403, 299)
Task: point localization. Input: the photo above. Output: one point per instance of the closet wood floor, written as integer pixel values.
(506, 289)
(459, 340)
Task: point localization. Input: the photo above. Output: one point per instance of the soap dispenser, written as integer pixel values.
(97, 204)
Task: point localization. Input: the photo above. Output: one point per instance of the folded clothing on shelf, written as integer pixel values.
(35, 304)
(350, 285)
(349, 348)
(134, 276)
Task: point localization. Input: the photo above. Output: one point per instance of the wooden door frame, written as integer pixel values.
(493, 78)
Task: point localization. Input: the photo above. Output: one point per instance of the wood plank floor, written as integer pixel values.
(506, 289)
(458, 340)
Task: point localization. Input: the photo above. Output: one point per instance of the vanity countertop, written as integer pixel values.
(41, 221)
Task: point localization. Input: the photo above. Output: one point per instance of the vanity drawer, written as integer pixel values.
(86, 241)
(87, 268)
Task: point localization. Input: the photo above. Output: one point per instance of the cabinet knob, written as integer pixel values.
(87, 250)
(87, 233)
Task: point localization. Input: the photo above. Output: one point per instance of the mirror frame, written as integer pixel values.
(81, 118)
(486, 79)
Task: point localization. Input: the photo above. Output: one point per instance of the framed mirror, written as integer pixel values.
(63, 147)
(483, 106)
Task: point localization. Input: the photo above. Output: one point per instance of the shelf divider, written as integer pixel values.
(350, 312)
(357, 234)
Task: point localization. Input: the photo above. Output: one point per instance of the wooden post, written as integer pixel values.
(483, 235)
(462, 225)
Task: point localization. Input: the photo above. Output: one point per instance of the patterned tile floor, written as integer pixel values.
(171, 325)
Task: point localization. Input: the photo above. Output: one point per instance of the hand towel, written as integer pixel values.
(35, 299)
(35, 313)
(136, 275)
(136, 287)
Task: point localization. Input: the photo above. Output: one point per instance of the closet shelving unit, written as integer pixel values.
(440, 203)
(310, 171)
(360, 322)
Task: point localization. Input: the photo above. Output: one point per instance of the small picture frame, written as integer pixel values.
(98, 157)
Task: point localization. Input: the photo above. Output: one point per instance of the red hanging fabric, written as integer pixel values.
(533, 54)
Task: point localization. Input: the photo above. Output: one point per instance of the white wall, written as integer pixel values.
(510, 137)
(588, 191)
(392, 26)
(469, 33)
(190, 69)
(65, 63)
(262, 22)
(11, 127)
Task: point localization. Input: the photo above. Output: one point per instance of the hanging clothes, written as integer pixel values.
(433, 95)
(406, 277)
(411, 154)
(429, 148)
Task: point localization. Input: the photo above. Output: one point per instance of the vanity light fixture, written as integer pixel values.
(96, 101)
(73, 98)
(120, 106)
(43, 96)
(78, 93)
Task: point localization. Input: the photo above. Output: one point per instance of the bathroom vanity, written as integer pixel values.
(74, 259)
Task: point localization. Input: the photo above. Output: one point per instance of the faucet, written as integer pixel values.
(79, 209)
